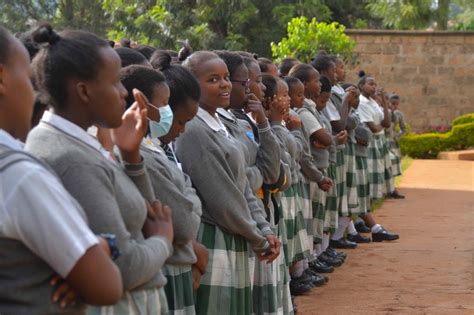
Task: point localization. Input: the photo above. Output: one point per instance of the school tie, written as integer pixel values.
(169, 153)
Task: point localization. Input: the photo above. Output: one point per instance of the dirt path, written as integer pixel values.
(430, 270)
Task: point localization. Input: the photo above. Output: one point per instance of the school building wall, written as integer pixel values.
(432, 71)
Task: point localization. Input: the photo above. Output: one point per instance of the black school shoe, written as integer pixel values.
(329, 260)
(326, 279)
(384, 235)
(314, 278)
(342, 243)
(395, 195)
(320, 267)
(332, 252)
(362, 228)
(357, 238)
(299, 287)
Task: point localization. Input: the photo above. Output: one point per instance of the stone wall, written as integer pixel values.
(432, 71)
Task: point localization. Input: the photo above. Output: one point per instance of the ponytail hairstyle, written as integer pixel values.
(70, 55)
(182, 83)
(185, 51)
(161, 56)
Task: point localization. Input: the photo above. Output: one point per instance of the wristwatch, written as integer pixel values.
(112, 241)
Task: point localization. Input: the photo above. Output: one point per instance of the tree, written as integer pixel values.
(305, 39)
(402, 14)
(20, 15)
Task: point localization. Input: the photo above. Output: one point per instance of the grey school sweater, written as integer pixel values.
(353, 121)
(320, 156)
(24, 276)
(263, 158)
(110, 199)
(362, 132)
(217, 167)
(173, 188)
(288, 153)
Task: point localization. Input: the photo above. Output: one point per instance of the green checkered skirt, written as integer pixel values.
(341, 174)
(179, 289)
(319, 212)
(351, 180)
(226, 287)
(376, 166)
(270, 289)
(396, 158)
(307, 208)
(363, 186)
(332, 213)
(146, 302)
(296, 236)
(388, 177)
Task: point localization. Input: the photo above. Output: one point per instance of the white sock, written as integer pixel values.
(376, 228)
(305, 264)
(325, 243)
(317, 250)
(351, 228)
(298, 269)
(342, 224)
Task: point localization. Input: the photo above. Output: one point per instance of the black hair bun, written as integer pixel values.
(362, 73)
(185, 51)
(165, 61)
(45, 34)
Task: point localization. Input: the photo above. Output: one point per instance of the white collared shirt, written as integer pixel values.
(338, 90)
(75, 131)
(370, 111)
(331, 112)
(212, 122)
(36, 210)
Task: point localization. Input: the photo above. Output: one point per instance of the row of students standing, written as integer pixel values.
(214, 188)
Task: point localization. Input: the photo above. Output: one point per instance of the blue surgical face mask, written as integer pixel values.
(161, 128)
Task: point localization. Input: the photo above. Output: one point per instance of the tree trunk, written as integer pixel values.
(442, 14)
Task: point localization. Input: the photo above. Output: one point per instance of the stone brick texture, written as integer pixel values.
(433, 72)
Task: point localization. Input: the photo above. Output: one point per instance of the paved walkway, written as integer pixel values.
(430, 270)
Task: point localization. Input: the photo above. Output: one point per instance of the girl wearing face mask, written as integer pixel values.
(170, 184)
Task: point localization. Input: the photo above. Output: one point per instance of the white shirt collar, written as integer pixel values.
(71, 129)
(226, 114)
(7, 140)
(311, 103)
(152, 144)
(212, 121)
(338, 89)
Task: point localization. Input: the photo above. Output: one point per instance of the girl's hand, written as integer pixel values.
(134, 126)
(274, 249)
(293, 122)
(196, 277)
(255, 107)
(341, 137)
(64, 295)
(202, 255)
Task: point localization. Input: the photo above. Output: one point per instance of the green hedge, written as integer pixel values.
(464, 119)
(428, 145)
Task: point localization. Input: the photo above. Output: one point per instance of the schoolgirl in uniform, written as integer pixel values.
(170, 185)
(376, 120)
(78, 73)
(330, 223)
(337, 112)
(40, 221)
(397, 130)
(261, 158)
(214, 160)
(318, 139)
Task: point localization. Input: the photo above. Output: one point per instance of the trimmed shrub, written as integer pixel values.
(464, 119)
(428, 145)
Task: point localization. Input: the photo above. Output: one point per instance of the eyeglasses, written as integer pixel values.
(244, 83)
